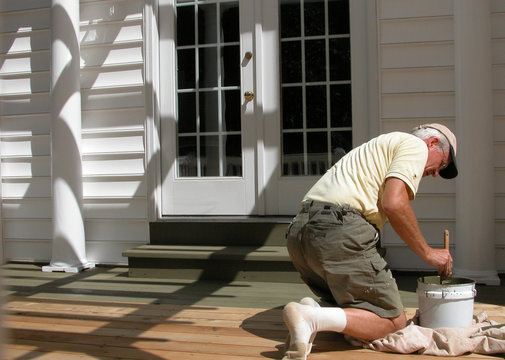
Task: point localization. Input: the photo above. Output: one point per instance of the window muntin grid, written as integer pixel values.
(315, 84)
(209, 134)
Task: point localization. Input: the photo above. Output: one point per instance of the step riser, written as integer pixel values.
(218, 233)
(264, 271)
(223, 264)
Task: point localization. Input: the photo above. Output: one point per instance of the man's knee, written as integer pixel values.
(400, 322)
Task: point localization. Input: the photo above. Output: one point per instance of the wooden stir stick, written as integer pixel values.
(446, 246)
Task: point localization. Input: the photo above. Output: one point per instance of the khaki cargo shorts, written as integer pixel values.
(335, 250)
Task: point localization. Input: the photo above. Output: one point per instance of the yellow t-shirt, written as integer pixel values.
(358, 179)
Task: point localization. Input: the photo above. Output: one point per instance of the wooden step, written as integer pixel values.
(252, 253)
(220, 231)
(221, 263)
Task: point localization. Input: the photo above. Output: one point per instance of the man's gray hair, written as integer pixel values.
(427, 132)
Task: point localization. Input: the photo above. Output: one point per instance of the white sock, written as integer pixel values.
(309, 301)
(304, 321)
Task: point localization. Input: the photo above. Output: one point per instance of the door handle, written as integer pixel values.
(249, 95)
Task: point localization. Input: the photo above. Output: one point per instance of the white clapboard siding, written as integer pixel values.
(107, 120)
(499, 77)
(497, 6)
(498, 54)
(30, 166)
(415, 80)
(110, 34)
(21, 187)
(122, 53)
(25, 63)
(418, 105)
(113, 115)
(499, 150)
(7, 6)
(27, 208)
(390, 9)
(417, 55)
(119, 208)
(113, 140)
(416, 67)
(26, 83)
(107, 99)
(498, 58)
(499, 102)
(396, 31)
(95, 165)
(407, 124)
(498, 23)
(24, 129)
(26, 21)
(17, 249)
(26, 41)
(38, 103)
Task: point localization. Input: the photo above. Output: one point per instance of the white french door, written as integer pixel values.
(256, 102)
(208, 140)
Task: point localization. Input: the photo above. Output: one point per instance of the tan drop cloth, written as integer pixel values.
(483, 337)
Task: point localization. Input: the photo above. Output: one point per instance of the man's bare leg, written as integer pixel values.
(366, 325)
(304, 321)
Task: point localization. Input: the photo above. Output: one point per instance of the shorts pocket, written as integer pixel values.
(378, 264)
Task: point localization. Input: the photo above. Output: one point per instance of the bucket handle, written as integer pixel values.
(450, 294)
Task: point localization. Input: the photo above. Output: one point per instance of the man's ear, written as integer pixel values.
(434, 141)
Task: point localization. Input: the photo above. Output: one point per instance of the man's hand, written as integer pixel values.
(441, 259)
(396, 205)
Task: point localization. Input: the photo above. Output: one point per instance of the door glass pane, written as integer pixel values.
(186, 156)
(339, 20)
(340, 53)
(317, 148)
(293, 159)
(231, 72)
(290, 18)
(187, 113)
(313, 11)
(209, 155)
(292, 107)
(209, 111)
(233, 148)
(315, 60)
(208, 70)
(315, 101)
(291, 66)
(207, 24)
(186, 26)
(208, 88)
(186, 75)
(315, 84)
(231, 110)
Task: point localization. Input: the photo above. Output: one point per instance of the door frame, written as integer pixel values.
(206, 195)
(276, 197)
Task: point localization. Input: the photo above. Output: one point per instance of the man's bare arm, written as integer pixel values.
(396, 205)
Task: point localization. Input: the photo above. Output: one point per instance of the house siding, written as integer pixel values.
(498, 69)
(416, 85)
(113, 129)
(417, 74)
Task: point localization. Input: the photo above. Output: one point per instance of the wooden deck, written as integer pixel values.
(101, 314)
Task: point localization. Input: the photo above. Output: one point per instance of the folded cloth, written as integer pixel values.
(483, 337)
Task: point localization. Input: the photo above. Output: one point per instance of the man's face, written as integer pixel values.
(437, 161)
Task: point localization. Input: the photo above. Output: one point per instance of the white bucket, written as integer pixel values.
(446, 304)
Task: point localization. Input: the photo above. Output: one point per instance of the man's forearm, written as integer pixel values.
(397, 207)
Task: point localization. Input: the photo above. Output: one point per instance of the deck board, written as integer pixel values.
(45, 328)
(103, 314)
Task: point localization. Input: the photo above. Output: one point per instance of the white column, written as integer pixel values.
(68, 243)
(475, 240)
